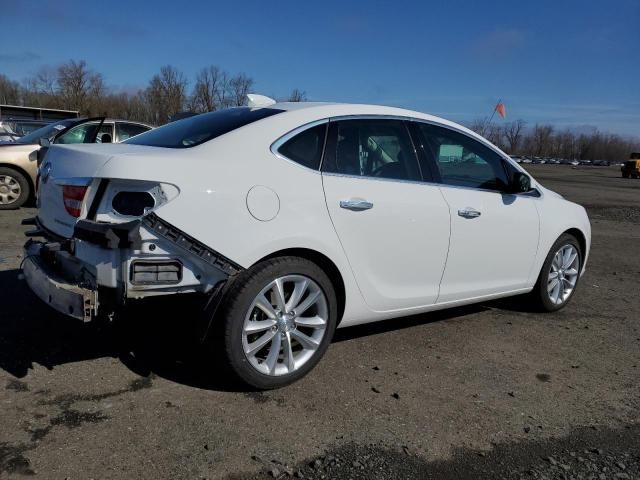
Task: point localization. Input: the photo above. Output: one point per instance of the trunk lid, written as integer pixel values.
(72, 166)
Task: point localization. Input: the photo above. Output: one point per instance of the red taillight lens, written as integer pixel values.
(72, 197)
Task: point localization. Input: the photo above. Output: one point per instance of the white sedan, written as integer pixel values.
(293, 219)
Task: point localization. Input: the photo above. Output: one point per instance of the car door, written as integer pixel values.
(494, 234)
(87, 132)
(393, 228)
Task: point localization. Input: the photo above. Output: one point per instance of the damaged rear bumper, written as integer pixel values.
(73, 300)
(105, 264)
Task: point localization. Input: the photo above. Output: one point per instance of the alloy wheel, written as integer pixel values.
(10, 190)
(563, 274)
(285, 325)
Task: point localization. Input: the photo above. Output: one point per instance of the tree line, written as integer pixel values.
(75, 86)
(544, 140)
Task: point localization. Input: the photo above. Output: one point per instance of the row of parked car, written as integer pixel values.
(559, 161)
(13, 130)
(18, 157)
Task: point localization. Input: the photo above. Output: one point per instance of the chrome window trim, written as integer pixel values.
(281, 140)
(408, 118)
(436, 184)
(275, 146)
(378, 179)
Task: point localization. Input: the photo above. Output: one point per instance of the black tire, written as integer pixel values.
(25, 189)
(229, 322)
(625, 175)
(539, 295)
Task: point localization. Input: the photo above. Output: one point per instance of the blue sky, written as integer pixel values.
(571, 63)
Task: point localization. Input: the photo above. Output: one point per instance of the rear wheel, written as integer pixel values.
(278, 320)
(559, 275)
(14, 189)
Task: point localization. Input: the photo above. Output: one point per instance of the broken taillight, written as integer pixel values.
(72, 197)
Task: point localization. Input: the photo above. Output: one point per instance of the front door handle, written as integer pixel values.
(469, 212)
(356, 205)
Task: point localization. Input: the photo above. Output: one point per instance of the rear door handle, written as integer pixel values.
(356, 205)
(469, 212)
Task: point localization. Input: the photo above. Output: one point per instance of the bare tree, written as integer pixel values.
(297, 96)
(46, 80)
(9, 90)
(239, 87)
(479, 125)
(40, 89)
(78, 86)
(495, 134)
(166, 94)
(513, 133)
(541, 138)
(208, 92)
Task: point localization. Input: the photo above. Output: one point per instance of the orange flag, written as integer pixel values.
(501, 109)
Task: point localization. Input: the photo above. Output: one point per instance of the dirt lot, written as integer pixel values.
(486, 391)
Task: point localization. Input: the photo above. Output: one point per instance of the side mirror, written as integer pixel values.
(105, 138)
(520, 183)
(44, 142)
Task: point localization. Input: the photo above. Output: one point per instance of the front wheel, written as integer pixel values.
(278, 320)
(559, 275)
(14, 189)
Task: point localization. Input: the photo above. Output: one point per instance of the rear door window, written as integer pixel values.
(372, 148)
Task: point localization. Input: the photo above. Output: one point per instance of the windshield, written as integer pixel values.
(48, 131)
(193, 131)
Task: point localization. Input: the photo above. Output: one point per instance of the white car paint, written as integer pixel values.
(398, 249)
(410, 253)
(494, 252)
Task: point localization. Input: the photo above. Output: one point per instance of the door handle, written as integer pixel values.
(469, 212)
(356, 205)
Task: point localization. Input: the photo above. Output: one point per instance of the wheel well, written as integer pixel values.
(581, 240)
(24, 174)
(325, 264)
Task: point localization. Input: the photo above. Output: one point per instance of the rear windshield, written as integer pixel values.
(193, 131)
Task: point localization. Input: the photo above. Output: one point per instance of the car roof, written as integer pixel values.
(319, 110)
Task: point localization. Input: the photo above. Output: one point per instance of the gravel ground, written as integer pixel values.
(585, 454)
(488, 391)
